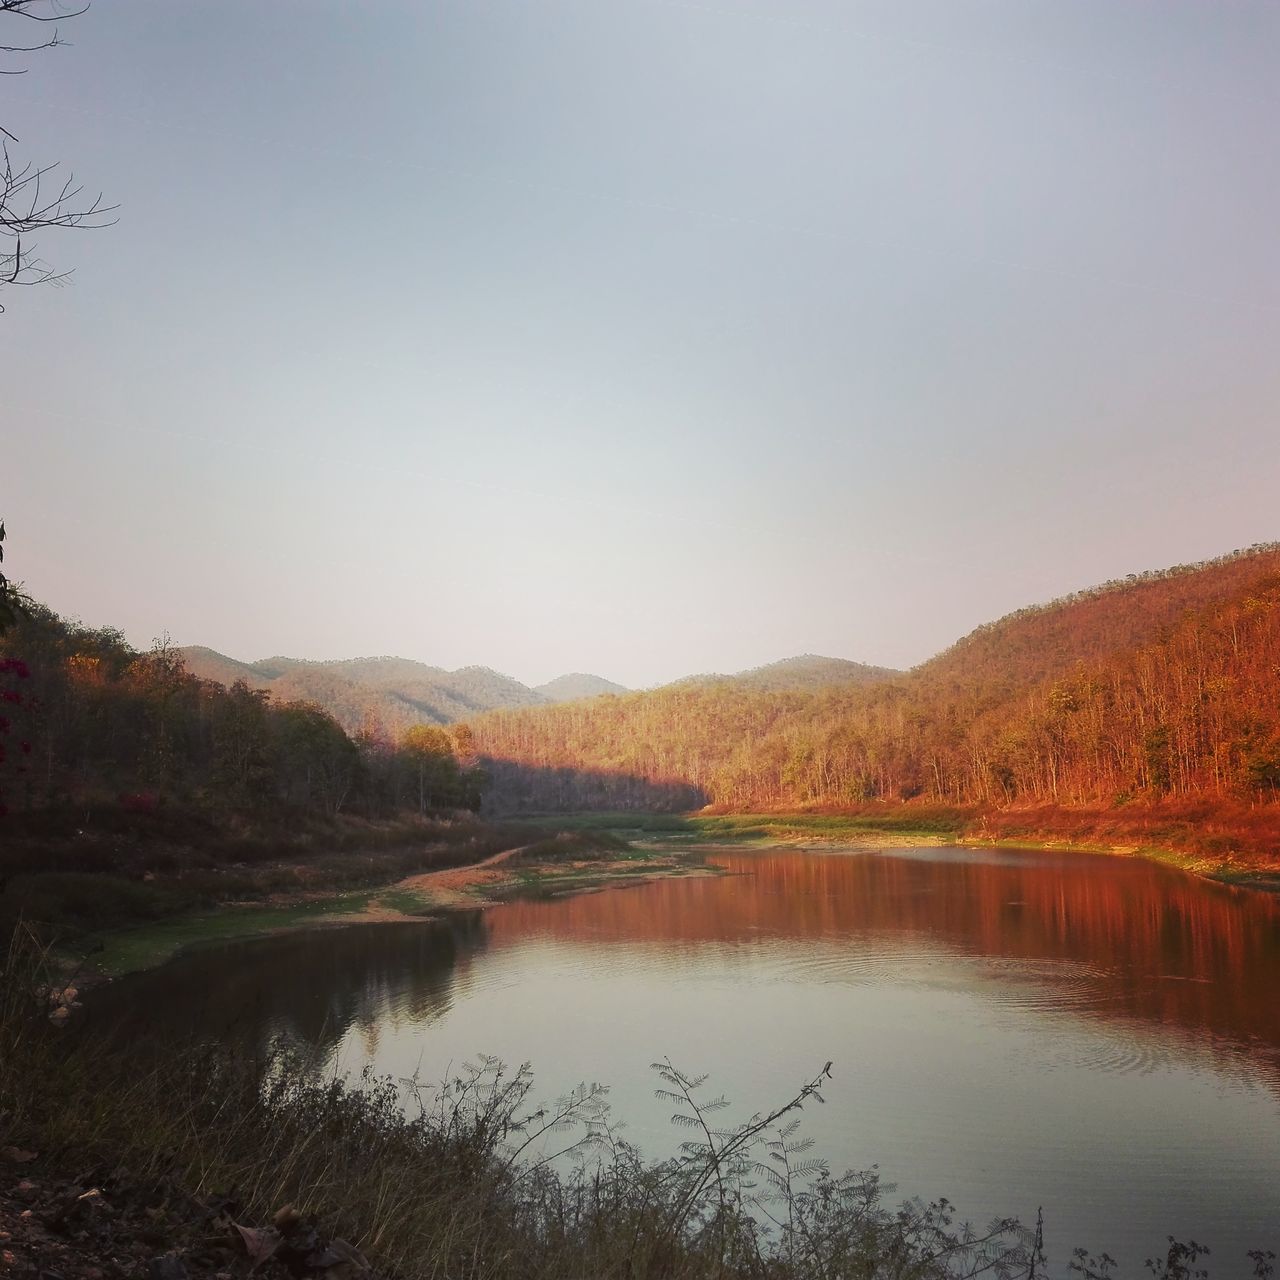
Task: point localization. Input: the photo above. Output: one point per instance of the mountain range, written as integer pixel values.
(394, 693)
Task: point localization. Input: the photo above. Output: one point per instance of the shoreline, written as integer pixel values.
(420, 897)
(434, 895)
(1216, 870)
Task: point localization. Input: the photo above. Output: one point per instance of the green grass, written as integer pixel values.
(622, 823)
(1209, 866)
(408, 902)
(905, 821)
(146, 946)
(74, 891)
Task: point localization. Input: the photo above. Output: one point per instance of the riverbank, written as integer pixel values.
(1233, 845)
(164, 893)
(553, 866)
(112, 889)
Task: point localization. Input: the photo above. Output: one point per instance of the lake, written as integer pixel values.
(1009, 1029)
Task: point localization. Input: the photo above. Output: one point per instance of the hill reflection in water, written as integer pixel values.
(312, 988)
(1097, 1035)
(1120, 937)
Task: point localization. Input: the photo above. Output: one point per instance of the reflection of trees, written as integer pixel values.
(1153, 944)
(309, 987)
(1119, 941)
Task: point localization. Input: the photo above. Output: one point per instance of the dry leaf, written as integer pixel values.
(15, 1155)
(259, 1243)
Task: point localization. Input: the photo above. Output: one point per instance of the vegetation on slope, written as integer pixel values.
(88, 718)
(131, 789)
(384, 695)
(1159, 689)
(810, 671)
(576, 685)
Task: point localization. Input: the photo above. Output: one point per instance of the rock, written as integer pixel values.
(168, 1266)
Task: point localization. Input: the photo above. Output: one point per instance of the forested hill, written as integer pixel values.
(87, 720)
(393, 693)
(1023, 648)
(389, 693)
(1162, 685)
(576, 685)
(808, 671)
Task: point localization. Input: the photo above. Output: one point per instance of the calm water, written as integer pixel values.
(1097, 1036)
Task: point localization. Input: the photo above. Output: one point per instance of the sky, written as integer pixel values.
(640, 338)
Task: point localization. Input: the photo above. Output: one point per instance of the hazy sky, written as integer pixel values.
(641, 338)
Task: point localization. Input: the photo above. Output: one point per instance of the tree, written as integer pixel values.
(13, 670)
(430, 750)
(317, 764)
(35, 196)
(10, 597)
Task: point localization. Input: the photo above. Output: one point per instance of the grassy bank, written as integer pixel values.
(130, 889)
(550, 867)
(77, 877)
(146, 896)
(908, 823)
(1229, 842)
(1223, 841)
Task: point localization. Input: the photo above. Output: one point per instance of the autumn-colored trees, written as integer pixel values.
(1166, 685)
(93, 719)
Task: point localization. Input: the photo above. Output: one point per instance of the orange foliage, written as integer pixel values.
(1158, 688)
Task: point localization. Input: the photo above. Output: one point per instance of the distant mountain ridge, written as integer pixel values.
(391, 693)
(806, 671)
(575, 686)
(386, 693)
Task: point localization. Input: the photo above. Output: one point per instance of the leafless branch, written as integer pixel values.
(34, 197)
(28, 9)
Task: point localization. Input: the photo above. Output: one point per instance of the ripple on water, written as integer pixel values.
(1046, 985)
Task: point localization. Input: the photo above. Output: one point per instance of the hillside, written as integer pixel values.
(389, 694)
(576, 685)
(811, 671)
(1035, 643)
(1160, 686)
(144, 733)
(209, 664)
(393, 693)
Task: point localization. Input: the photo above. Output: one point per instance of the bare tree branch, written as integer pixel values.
(29, 9)
(33, 197)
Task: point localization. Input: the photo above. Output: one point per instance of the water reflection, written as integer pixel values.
(1096, 1035)
(312, 988)
(1107, 937)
